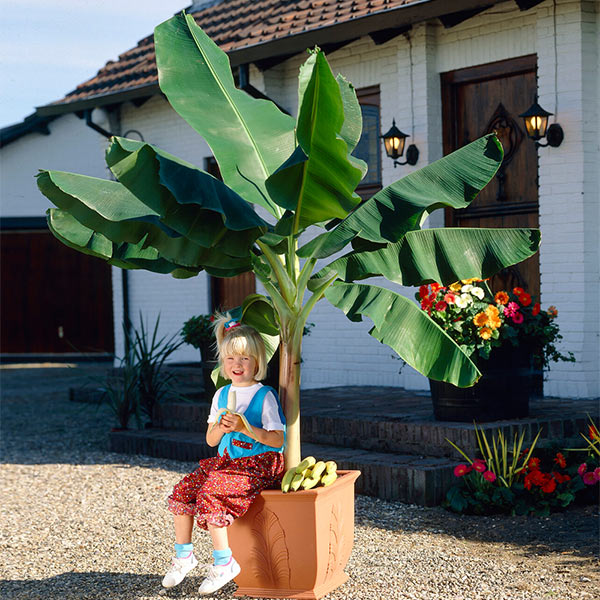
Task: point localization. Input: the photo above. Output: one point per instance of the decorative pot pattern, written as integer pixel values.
(295, 545)
(271, 556)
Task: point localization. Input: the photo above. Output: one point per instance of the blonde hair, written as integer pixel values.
(240, 339)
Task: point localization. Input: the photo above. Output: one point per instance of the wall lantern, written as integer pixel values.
(394, 141)
(536, 124)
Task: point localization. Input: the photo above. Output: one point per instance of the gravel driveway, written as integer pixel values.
(80, 522)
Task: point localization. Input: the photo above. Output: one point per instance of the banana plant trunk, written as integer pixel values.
(289, 393)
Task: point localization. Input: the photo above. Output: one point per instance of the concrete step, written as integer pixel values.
(391, 434)
(391, 476)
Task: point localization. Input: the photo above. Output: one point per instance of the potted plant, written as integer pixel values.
(198, 332)
(507, 334)
(302, 174)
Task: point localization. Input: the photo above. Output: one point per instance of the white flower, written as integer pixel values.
(478, 292)
(463, 300)
(466, 288)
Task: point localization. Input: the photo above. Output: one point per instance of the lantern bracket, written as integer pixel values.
(554, 136)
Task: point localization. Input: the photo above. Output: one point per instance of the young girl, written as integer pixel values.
(249, 460)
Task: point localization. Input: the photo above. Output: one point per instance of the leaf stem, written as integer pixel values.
(286, 285)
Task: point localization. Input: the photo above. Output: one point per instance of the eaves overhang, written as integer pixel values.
(400, 17)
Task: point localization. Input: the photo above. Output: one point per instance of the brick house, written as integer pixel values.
(445, 72)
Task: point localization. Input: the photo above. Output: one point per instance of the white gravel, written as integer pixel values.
(80, 522)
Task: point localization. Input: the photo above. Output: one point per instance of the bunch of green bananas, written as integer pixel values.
(308, 474)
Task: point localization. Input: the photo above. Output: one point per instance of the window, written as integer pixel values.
(368, 148)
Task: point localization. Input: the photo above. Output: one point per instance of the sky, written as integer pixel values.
(48, 47)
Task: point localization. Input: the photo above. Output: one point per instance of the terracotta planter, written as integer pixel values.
(295, 545)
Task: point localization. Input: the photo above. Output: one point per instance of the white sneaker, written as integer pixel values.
(218, 576)
(180, 567)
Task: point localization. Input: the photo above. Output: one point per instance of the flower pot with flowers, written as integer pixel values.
(508, 336)
(198, 332)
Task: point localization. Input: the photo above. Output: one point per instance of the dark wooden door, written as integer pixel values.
(227, 293)
(54, 299)
(480, 100)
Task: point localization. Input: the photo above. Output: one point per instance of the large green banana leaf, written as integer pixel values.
(453, 181)
(352, 126)
(250, 138)
(403, 326)
(318, 180)
(441, 255)
(193, 203)
(126, 256)
(109, 208)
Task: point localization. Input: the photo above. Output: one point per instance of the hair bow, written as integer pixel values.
(231, 324)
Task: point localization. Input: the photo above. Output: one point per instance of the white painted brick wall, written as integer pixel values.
(71, 146)
(339, 352)
(569, 179)
(175, 300)
(498, 34)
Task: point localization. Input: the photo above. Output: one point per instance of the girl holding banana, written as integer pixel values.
(247, 424)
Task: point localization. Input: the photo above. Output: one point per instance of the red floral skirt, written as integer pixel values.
(223, 488)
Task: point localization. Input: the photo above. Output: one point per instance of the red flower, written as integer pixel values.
(479, 465)
(597, 473)
(423, 291)
(533, 464)
(489, 476)
(441, 306)
(426, 304)
(560, 478)
(589, 478)
(582, 469)
(559, 459)
(518, 291)
(549, 486)
(449, 298)
(435, 287)
(535, 311)
(517, 318)
(461, 470)
(594, 435)
(525, 299)
(212, 318)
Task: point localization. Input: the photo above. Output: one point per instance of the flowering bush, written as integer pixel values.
(198, 330)
(479, 321)
(511, 481)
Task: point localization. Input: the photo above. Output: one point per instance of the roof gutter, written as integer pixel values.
(402, 16)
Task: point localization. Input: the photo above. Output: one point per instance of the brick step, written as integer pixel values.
(392, 434)
(391, 476)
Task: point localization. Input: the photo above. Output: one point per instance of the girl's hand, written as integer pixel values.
(231, 423)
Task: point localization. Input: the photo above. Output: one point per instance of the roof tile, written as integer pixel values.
(231, 24)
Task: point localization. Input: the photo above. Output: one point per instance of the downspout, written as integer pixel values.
(116, 124)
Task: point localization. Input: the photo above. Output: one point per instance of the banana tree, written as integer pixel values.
(283, 180)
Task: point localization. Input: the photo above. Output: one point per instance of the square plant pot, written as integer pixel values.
(295, 545)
